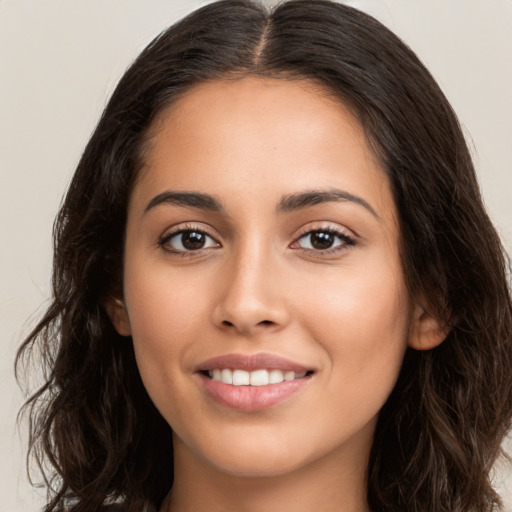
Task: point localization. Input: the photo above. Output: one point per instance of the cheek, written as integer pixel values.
(165, 316)
(161, 306)
(362, 321)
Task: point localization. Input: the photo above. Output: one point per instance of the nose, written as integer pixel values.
(252, 298)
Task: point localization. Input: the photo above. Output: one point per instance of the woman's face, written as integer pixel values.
(262, 245)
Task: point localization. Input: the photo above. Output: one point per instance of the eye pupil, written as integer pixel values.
(192, 240)
(322, 239)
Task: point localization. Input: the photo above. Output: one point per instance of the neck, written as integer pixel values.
(331, 484)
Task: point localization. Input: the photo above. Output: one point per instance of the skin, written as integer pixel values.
(258, 285)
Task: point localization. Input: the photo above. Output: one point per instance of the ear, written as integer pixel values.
(118, 314)
(426, 331)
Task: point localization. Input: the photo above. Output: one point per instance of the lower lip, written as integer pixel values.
(252, 398)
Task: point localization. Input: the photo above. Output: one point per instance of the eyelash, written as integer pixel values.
(346, 241)
(164, 241)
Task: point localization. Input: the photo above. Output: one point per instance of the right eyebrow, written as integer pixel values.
(193, 199)
(311, 198)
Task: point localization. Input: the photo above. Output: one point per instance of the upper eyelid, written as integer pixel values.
(331, 229)
(324, 226)
(164, 241)
(180, 228)
(306, 229)
(339, 233)
(347, 236)
(171, 232)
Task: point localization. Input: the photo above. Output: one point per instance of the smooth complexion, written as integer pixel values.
(262, 226)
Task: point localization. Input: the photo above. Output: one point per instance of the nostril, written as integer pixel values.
(246, 326)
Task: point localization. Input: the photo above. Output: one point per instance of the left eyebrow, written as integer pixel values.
(310, 198)
(192, 199)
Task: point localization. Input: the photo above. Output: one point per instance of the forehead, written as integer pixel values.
(253, 133)
(261, 106)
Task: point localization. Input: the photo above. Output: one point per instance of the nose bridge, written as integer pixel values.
(250, 296)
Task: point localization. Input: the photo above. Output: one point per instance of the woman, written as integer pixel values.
(275, 284)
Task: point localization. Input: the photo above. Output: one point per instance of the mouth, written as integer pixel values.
(252, 383)
(260, 377)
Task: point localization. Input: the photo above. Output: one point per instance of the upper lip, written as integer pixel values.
(250, 362)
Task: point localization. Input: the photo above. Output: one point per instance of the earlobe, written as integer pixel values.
(426, 331)
(118, 314)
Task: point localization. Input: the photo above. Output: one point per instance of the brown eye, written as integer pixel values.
(324, 239)
(188, 240)
(193, 240)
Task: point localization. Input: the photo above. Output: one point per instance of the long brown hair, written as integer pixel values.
(93, 428)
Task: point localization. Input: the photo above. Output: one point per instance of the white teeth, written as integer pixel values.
(276, 376)
(289, 375)
(240, 378)
(226, 376)
(254, 378)
(259, 378)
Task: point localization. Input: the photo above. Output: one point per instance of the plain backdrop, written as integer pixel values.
(60, 60)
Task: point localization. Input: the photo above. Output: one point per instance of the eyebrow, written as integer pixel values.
(310, 198)
(193, 199)
(288, 203)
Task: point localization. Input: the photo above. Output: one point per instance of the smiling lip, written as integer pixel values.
(252, 398)
(252, 362)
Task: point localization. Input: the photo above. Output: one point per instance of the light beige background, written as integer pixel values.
(60, 60)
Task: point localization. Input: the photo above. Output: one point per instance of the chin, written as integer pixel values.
(248, 454)
(257, 467)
